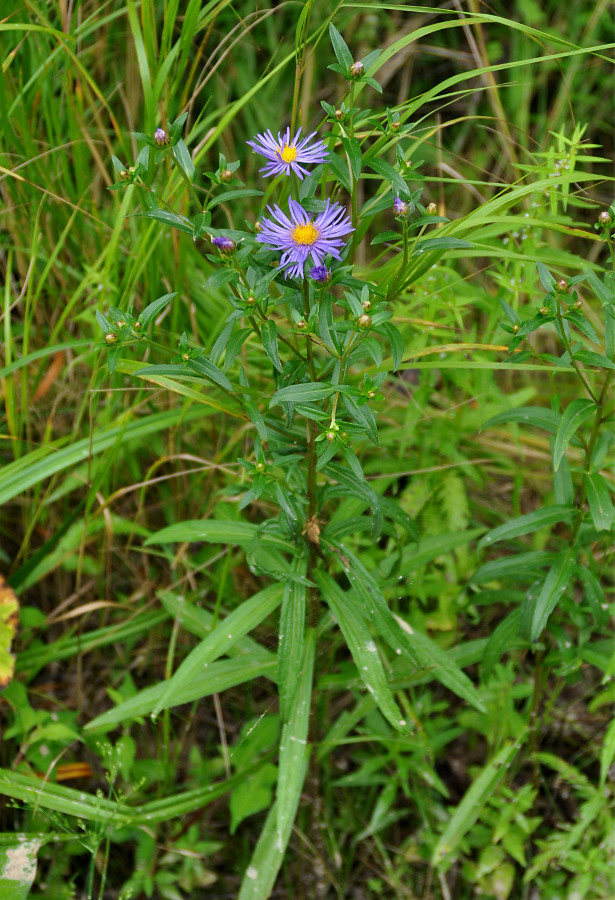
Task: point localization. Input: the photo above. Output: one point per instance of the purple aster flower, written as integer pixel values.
(401, 208)
(299, 237)
(321, 274)
(224, 244)
(283, 154)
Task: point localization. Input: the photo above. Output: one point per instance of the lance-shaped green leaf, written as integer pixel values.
(528, 524)
(472, 805)
(505, 637)
(519, 567)
(362, 647)
(154, 308)
(269, 337)
(218, 531)
(607, 754)
(217, 677)
(340, 47)
(355, 158)
(539, 416)
(401, 637)
(600, 502)
(387, 171)
(291, 643)
(204, 367)
(548, 281)
(169, 218)
(294, 750)
(237, 624)
(183, 159)
(302, 393)
(573, 417)
(552, 589)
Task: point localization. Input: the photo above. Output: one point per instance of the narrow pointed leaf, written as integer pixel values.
(534, 521)
(291, 642)
(574, 415)
(269, 337)
(552, 589)
(600, 502)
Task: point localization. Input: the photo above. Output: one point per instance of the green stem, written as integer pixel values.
(566, 343)
(312, 506)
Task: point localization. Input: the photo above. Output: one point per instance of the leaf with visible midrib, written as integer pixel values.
(574, 415)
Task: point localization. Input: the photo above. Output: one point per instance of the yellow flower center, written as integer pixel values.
(305, 234)
(287, 153)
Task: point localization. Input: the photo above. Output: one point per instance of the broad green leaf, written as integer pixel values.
(269, 337)
(362, 647)
(552, 589)
(294, 749)
(340, 48)
(169, 218)
(548, 281)
(154, 308)
(539, 416)
(503, 638)
(238, 623)
(401, 637)
(204, 367)
(472, 805)
(534, 521)
(392, 176)
(219, 676)
(261, 874)
(291, 643)
(519, 566)
(217, 531)
(600, 502)
(17, 865)
(355, 158)
(183, 159)
(234, 195)
(577, 412)
(302, 393)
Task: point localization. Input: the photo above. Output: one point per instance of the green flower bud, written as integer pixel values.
(110, 338)
(364, 321)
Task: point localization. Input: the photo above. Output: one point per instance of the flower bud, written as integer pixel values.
(302, 323)
(515, 328)
(367, 305)
(124, 175)
(395, 125)
(604, 219)
(431, 210)
(344, 435)
(226, 175)
(110, 338)
(260, 467)
(371, 395)
(578, 304)
(121, 324)
(357, 69)
(339, 115)
(364, 321)
(185, 357)
(330, 435)
(543, 311)
(562, 285)
(320, 274)
(258, 227)
(138, 326)
(225, 245)
(161, 138)
(250, 300)
(400, 207)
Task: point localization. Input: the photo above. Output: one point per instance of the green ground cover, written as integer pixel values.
(313, 601)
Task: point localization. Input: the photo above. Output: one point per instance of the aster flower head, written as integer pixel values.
(284, 154)
(299, 237)
(321, 274)
(224, 244)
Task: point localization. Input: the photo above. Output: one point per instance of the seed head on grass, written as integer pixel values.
(284, 155)
(299, 237)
